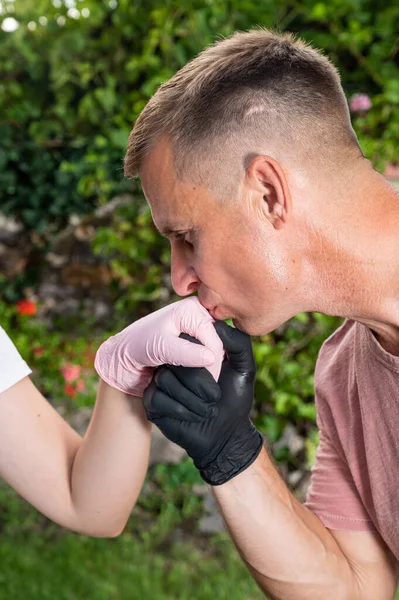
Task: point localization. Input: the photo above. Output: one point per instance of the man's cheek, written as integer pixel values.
(206, 271)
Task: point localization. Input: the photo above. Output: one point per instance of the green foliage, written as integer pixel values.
(48, 351)
(71, 88)
(171, 493)
(361, 39)
(39, 184)
(138, 256)
(40, 561)
(286, 362)
(284, 390)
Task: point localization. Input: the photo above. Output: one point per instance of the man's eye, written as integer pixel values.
(183, 237)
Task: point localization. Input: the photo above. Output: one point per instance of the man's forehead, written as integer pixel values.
(176, 206)
(171, 213)
(171, 209)
(158, 168)
(173, 204)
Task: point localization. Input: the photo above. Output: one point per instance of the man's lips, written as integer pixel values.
(212, 312)
(218, 314)
(215, 311)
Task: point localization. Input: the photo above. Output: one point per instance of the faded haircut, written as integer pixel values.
(256, 92)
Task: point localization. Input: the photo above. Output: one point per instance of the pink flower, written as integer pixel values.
(360, 103)
(80, 385)
(70, 372)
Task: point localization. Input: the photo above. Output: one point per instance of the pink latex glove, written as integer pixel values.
(126, 361)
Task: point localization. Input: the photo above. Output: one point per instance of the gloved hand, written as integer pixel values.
(126, 361)
(210, 420)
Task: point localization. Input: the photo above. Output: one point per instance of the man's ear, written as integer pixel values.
(267, 179)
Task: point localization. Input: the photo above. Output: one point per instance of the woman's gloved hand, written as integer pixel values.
(126, 361)
(210, 420)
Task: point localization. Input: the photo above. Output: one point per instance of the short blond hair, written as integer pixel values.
(239, 94)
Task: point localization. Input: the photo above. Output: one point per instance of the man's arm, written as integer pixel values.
(88, 485)
(292, 555)
(290, 552)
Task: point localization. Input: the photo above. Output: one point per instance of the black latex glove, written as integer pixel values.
(210, 420)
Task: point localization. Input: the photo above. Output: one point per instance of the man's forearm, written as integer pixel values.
(286, 547)
(110, 465)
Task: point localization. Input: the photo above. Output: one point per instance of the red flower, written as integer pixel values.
(70, 390)
(26, 307)
(39, 351)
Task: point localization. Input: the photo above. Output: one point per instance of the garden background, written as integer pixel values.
(80, 259)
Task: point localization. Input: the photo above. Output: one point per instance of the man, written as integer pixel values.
(251, 167)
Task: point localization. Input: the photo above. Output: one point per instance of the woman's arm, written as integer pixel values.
(91, 485)
(88, 485)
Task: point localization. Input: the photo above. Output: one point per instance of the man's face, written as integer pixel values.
(224, 251)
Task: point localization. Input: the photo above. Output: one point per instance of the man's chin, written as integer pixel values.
(243, 326)
(251, 329)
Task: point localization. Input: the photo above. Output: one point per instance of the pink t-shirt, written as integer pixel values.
(355, 481)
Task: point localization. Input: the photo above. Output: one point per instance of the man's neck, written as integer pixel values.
(355, 254)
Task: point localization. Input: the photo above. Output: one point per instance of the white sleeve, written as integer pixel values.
(12, 366)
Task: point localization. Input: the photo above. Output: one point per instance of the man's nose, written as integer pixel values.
(184, 278)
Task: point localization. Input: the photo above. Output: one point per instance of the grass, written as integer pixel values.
(160, 556)
(79, 568)
(157, 558)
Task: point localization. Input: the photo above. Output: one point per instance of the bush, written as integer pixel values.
(71, 88)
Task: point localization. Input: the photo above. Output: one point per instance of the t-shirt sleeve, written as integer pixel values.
(12, 366)
(332, 494)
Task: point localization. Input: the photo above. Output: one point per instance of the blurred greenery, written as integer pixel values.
(152, 559)
(73, 78)
(70, 88)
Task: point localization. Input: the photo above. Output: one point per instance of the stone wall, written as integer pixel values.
(71, 278)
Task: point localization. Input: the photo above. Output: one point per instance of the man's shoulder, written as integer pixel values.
(337, 353)
(339, 341)
(333, 375)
